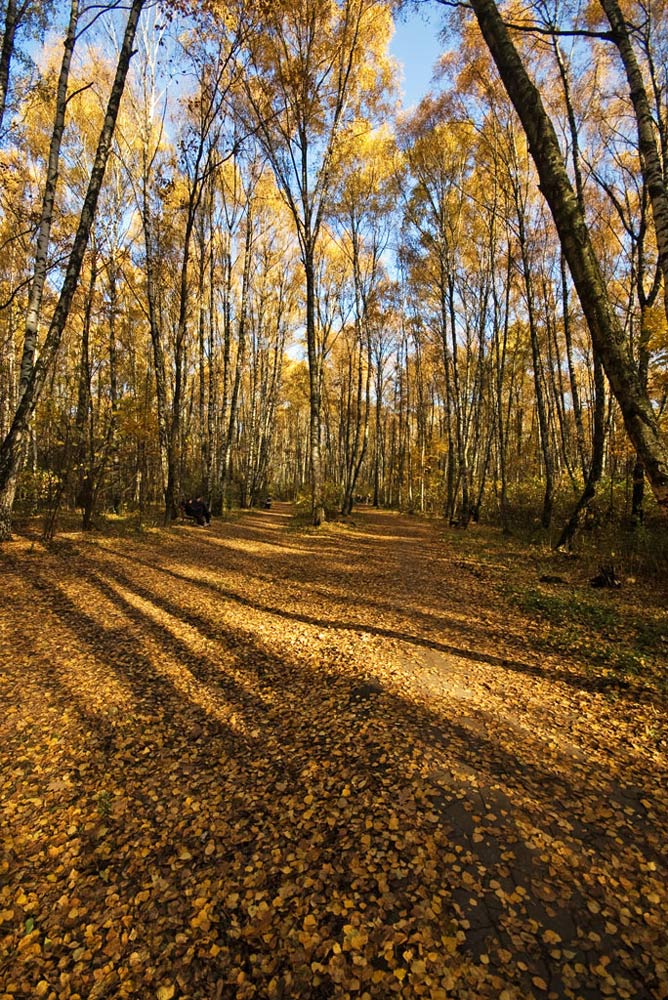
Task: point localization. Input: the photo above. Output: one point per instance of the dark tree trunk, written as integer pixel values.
(6, 53)
(11, 450)
(607, 334)
(84, 440)
(596, 466)
(226, 463)
(315, 381)
(650, 156)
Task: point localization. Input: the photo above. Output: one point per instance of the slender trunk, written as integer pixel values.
(155, 327)
(113, 391)
(638, 494)
(548, 500)
(241, 357)
(556, 378)
(650, 156)
(201, 363)
(638, 497)
(212, 380)
(462, 465)
(12, 20)
(596, 468)
(537, 362)
(575, 394)
(378, 425)
(363, 401)
(365, 424)
(11, 450)
(226, 423)
(41, 265)
(269, 407)
(606, 331)
(175, 423)
(449, 506)
(83, 438)
(500, 354)
(315, 383)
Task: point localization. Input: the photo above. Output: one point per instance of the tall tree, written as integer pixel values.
(19, 15)
(313, 67)
(35, 371)
(607, 335)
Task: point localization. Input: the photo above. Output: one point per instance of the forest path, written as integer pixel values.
(256, 761)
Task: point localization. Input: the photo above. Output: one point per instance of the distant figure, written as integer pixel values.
(198, 510)
(267, 502)
(606, 577)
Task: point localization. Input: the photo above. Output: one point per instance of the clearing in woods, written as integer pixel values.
(378, 760)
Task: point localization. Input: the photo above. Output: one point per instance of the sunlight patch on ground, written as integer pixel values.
(178, 672)
(62, 650)
(250, 545)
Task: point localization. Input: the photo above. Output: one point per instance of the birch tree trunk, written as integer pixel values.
(226, 459)
(606, 332)
(34, 375)
(650, 157)
(6, 53)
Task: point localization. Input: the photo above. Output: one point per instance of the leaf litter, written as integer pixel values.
(259, 762)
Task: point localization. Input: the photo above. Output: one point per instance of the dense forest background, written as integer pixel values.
(291, 286)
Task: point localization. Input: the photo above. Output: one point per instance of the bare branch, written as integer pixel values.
(538, 29)
(80, 90)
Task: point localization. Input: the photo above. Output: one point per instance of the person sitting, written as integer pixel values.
(198, 510)
(203, 507)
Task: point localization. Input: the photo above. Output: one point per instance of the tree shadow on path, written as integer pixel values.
(285, 825)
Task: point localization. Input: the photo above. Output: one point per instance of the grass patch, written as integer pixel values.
(624, 645)
(565, 609)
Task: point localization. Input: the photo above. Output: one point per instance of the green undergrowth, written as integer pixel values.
(106, 524)
(624, 646)
(618, 638)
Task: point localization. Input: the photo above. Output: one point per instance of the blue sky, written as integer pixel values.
(416, 46)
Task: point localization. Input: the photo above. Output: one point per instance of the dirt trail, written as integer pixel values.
(252, 761)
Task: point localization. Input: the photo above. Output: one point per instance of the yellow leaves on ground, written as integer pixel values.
(290, 793)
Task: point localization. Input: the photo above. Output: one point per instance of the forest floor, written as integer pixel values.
(382, 759)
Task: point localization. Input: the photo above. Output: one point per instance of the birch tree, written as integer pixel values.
(606, 331)
(35, 368)
(314, 65)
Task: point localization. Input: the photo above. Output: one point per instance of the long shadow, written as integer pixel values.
(295, 812)
(551, 786)
(578, 681)
(118, 646)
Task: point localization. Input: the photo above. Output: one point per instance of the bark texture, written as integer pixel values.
(606, 332)
(11, 449)
(650, 157)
